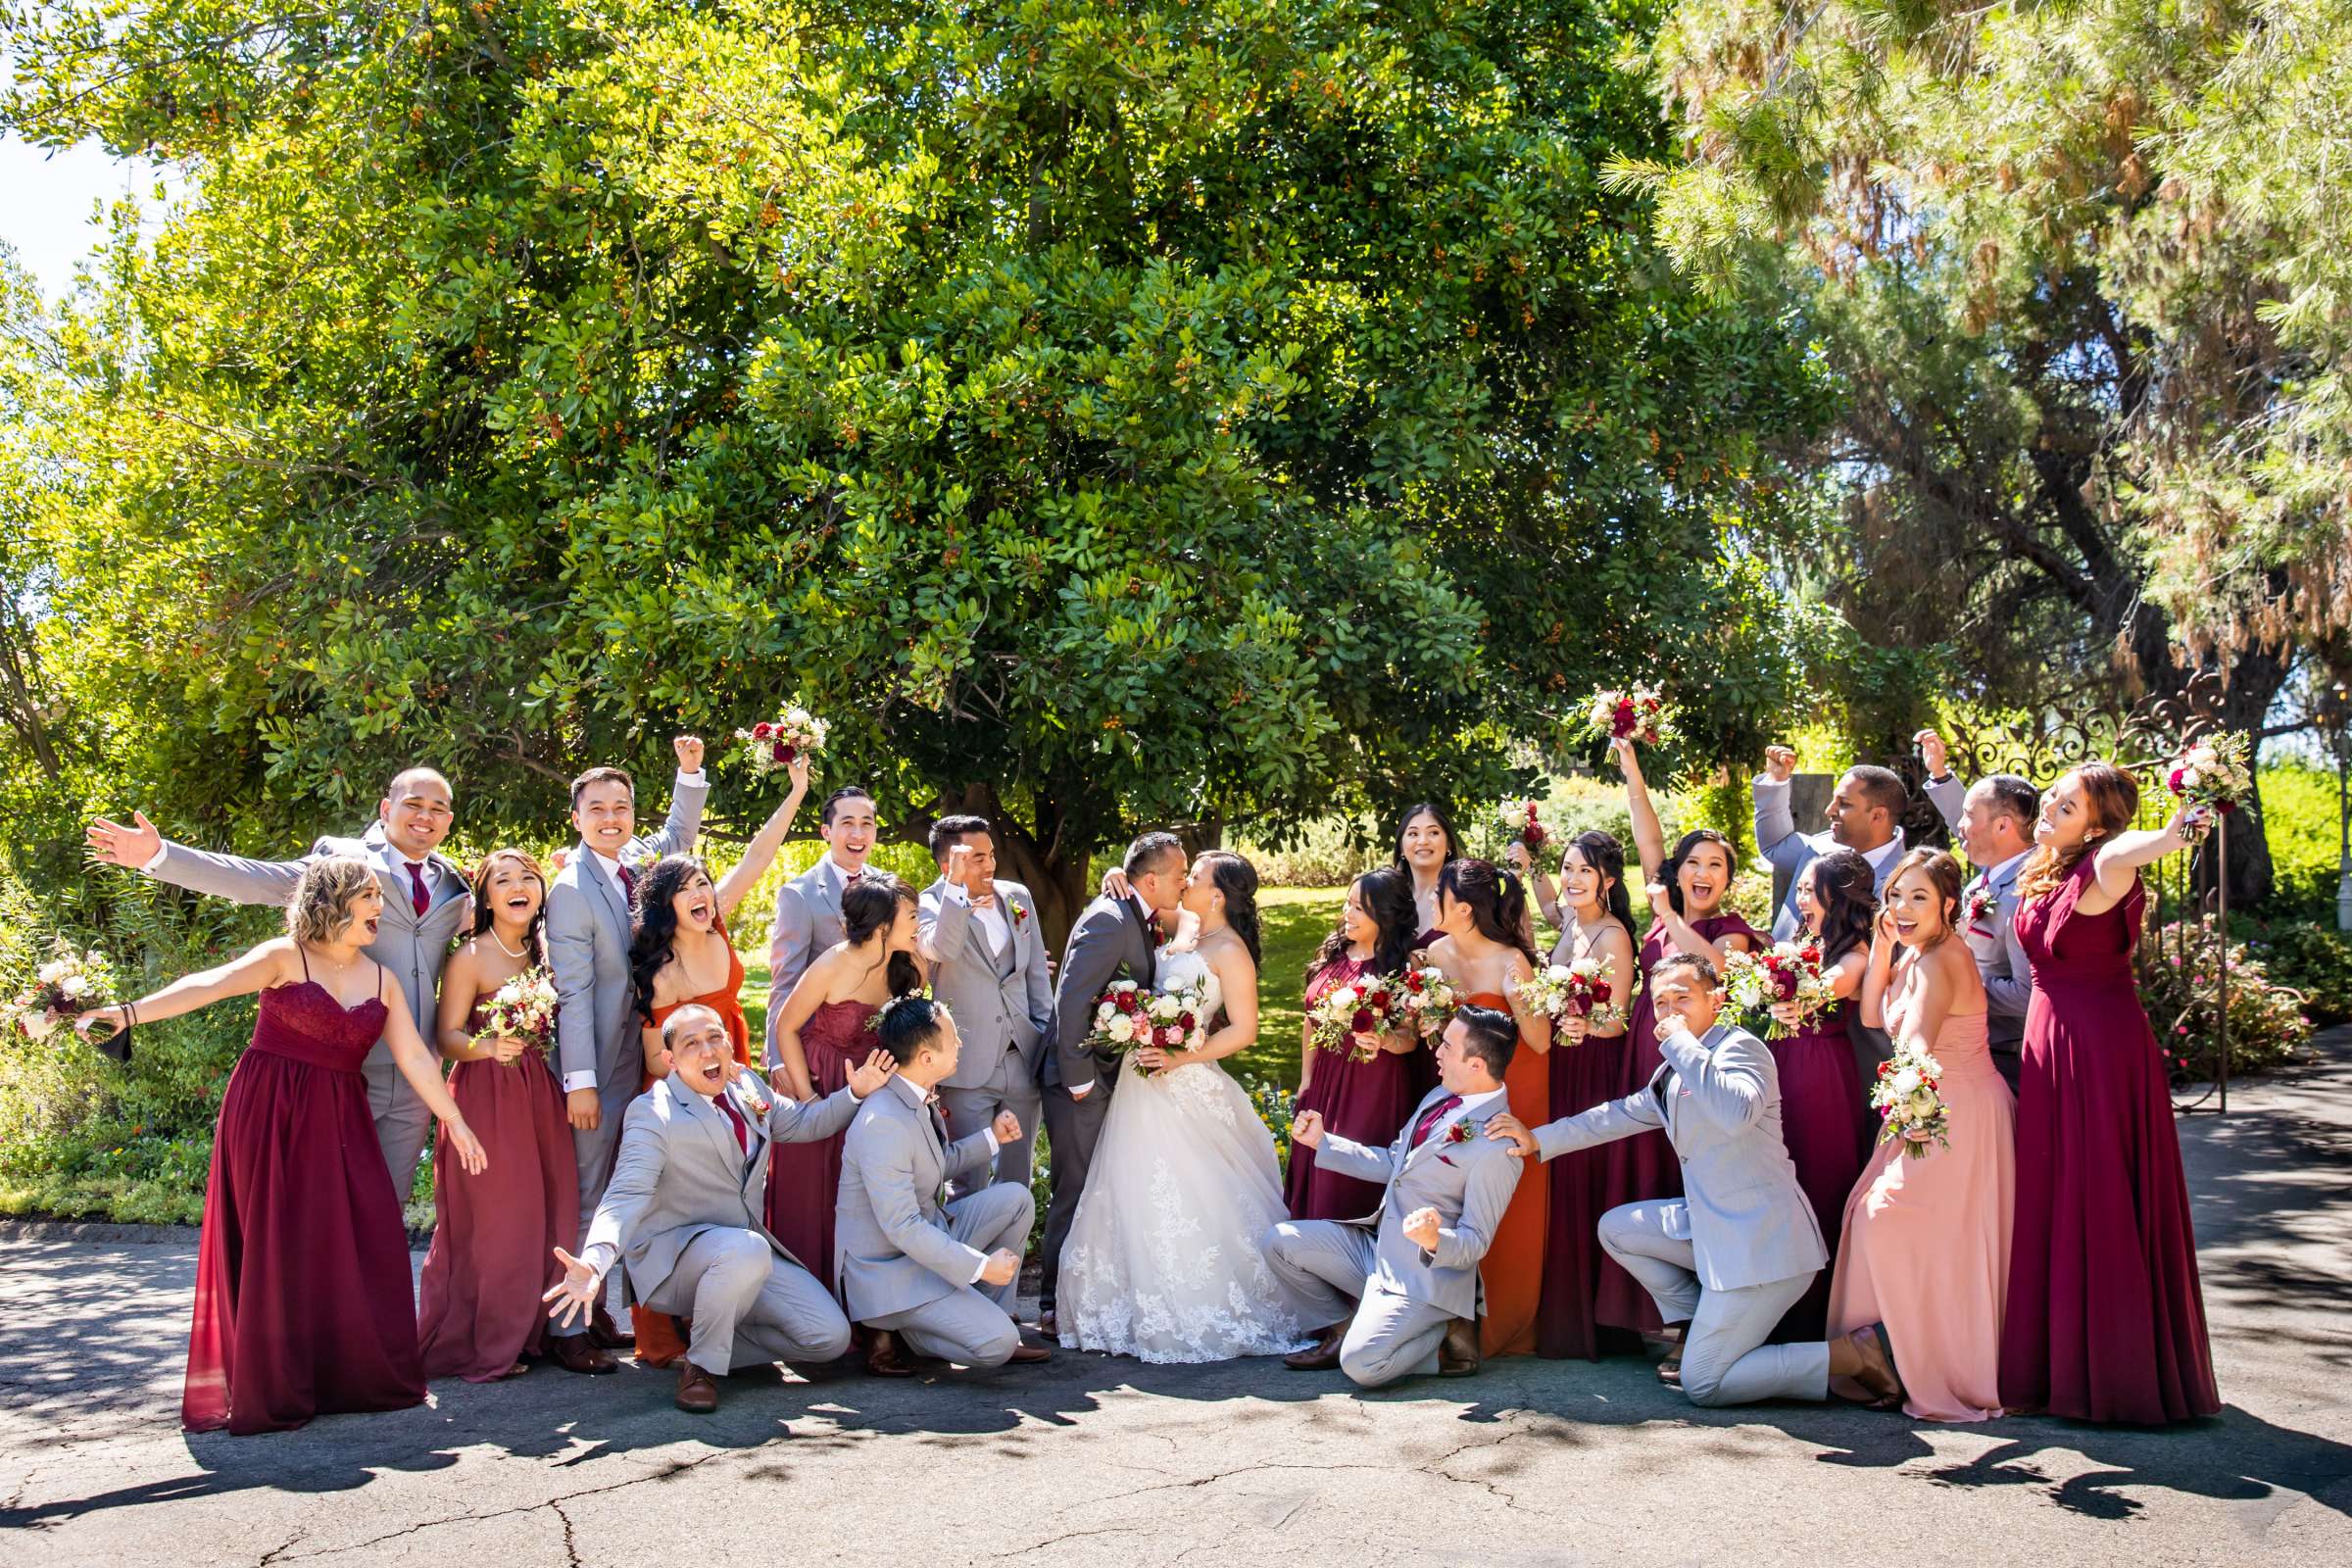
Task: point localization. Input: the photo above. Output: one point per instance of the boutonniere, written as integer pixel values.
(1020, 912)
(1462, 1132)
(1980, 905)
(638, 859)
(752, 1100)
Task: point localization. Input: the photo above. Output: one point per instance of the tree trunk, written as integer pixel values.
(1042, 857)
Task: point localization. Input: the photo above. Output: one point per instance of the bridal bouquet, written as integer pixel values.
(1517, 822)
(64, 988)
(1349, 1018)
(524, 1008)
(1579, 990)
(1907, 1096)
(1128, 1018)
(1785, 971)
(2213, 773)
(1430, 999)
(1638, 715)
(773, 743)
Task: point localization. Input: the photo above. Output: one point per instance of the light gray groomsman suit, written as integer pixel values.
(1003, 1001)
(1740, 1246)
(597, 1031)
(807, 922)
(1112, 938)
(1403, 1298)
(1790, 851)
(411, 946)
(683, 1212)
(909, 1263)
(2000, 956)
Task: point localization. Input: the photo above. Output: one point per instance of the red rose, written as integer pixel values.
(1186, 1021)
(1624, 723)
(2225, 806)
(1811, 954)
(2174, 780)
(782, 754)
(1600, 991)
(1125, 1001)
(1362, 1022)
(763, 730)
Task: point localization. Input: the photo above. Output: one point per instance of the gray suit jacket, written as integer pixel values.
(1778, 840)
(1719, 1101)
(1110, 940)
(1001, 1002)
(807, 922)
(1469, 1184)
(588, 948)
(893, 1252)
(680, 1172)
(2000, 956)
(412, 947)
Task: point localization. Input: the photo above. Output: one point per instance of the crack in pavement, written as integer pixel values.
(1074, 1534)
(572, 1546)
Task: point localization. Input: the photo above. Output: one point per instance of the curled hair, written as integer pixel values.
(535, 938)
(1603, 853)
(906, 1024)
(1387, 895)
(872, 905)
(1943, 872)
(1436, 813)
(1237, 879)
(1848, 891)
(654, 926)
(321, 903)
(1671, 873)
(1497, 903)
(2111, 797)
(1489, 1034)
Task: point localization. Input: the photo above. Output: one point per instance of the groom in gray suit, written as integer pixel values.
(988, 966)
(425, 902)
(1994, 821)
(683, 1212)
(1400, 1285)
(942, 1276)
(1113, 937)
(1737, 1249)
(809, 906)
(598, 1044)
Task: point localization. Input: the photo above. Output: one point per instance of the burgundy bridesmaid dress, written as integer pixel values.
(1581, 1077)
(2105, 1318)
(802, 1179)
(1643, 1166)
(303, 1301)
(1366, 1101)
(495, 1235)
(1820, 1107)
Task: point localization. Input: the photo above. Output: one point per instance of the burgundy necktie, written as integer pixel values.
(851, 879)
(743, 1132)
(1430, 1118)
(628, 885)
(417, 897)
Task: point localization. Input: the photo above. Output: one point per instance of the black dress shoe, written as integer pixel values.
(1458, 1356)
(574, 1353)
(697, 1394)
(1320, 1357)
(882, 1358)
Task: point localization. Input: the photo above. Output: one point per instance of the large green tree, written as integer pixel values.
(1208, 412)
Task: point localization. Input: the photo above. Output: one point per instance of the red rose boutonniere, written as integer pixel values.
(1462, 1132)
(1980, 907)
(1020, 912)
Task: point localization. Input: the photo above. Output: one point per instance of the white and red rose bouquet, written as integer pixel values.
(1349, 1018)
(1907, 1095)
(774, 743)
(1785, 971)
(1638, 715)
(2214, 773)
(1579, 990)
(1520, 822)
(1430, 999)
(1129, 1017)
(68, 985)
(524, 1008)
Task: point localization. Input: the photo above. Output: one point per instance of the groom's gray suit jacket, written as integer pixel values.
(1001, 1002)
(891, 1242)
(1111, 938)
(1469, 1184)
(1718, 1100)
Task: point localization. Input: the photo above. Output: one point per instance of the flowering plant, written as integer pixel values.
(1129, 1017)
(1350, 1015)
(524, 1008)
(1517, 822)
(1785, 971)
(64, 988)
(1907, 1098)
(1429, 998)
(1563, 991)
(774, 743)
(2213, 772)
(1638, 715)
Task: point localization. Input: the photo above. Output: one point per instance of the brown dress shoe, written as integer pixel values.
(1025, 1354)
(607, 1335)
(574, 1352)
(882, 1358)
(698, 1394)
(1457, 1358)
(1320, 1357)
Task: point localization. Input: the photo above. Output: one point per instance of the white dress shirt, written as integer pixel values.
(989, 915)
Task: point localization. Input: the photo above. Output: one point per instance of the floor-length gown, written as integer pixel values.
(1645, 1166)
(1581, 1077)
(2106, 1316)
(1821, 1105)
(495, 1234)
(802, 1179)
(1926, 1249)
(303, 1303)
(658, 1342)
(1366, 1101)
(1511, 1278)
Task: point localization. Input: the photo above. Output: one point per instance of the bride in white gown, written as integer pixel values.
(1164, 1259)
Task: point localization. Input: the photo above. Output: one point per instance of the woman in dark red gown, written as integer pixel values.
(303, 1302)
(479, 1310)
(820, 1038)
(2105, 1320)
(1426, 844)
(1366, 1100)
(1686, 889)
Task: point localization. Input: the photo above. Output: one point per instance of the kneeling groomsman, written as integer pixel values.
(942, 1277)
(683, 1212)
(1401, 1285)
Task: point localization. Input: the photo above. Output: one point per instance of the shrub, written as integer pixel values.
(2313, 959)
(2299, 825)
(2180, 984)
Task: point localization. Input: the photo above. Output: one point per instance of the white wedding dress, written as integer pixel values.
(1165, 1259)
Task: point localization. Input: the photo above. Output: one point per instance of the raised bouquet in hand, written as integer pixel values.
(2213, 772)
(68, 985)
(1128, 1018)
(774, 743)
(1349, 1018)
(1430, 999)
(1564, 991)
(1519, 822)
(1909, 1099)
(1638, 715)
(1785, 971)
(524, 1008)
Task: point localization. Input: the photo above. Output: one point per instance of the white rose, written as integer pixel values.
(1121, 1029)
(1906, 1082)
(1165, 1008)
(75, 985)
(2201, 756)
(1343, 1000)
(53, 971)
(1105, 1013)
(1923, 1104)
(1561, 975)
